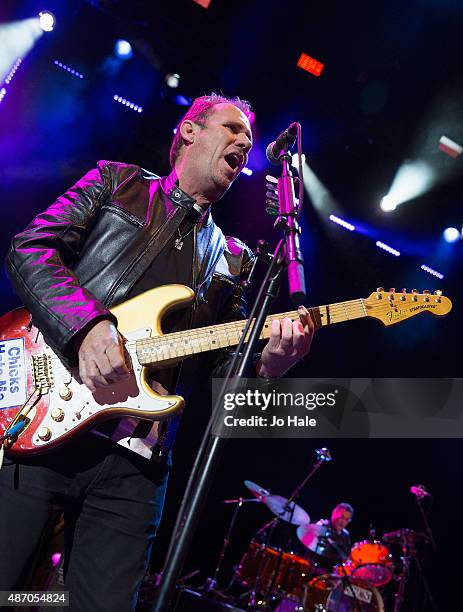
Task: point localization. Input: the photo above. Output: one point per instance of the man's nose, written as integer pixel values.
(243, 142)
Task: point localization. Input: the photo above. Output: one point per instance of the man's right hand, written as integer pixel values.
(101, 356)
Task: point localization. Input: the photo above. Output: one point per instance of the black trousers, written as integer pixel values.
(112, 501)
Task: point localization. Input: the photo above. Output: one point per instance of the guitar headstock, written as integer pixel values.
(391, 307)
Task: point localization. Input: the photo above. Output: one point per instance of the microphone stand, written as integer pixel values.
(212, 445)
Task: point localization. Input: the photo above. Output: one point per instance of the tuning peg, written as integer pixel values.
(380, 289)
(426, 294)
(415, 295)
(392, 290)
(403, 296)
(426, 291)
(438, 292)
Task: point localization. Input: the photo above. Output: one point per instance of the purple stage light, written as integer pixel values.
(182, 101)
(387, 248)
(345, 224)
(433, 272)
(2, 93)
(68, 69)
(11, 74)
(128, 103)
(247, 171)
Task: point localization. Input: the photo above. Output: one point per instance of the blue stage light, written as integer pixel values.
(128, 103)
(387, 248)
(451, 234)
(67, 69)
(345, 224)
(432, 271)
(247, 171)
(123, 49)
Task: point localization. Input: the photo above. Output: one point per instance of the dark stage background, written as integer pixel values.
(391, 87)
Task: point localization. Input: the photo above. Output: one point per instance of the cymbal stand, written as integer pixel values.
(211, 583)
(409, 555)
(323, 456)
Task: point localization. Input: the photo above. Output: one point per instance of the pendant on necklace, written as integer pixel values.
(178, 244)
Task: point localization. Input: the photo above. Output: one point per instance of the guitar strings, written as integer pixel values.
(232, 326)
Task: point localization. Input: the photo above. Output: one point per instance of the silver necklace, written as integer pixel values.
(178, 244)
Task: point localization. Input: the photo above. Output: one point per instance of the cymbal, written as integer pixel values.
(256, 489)
(311, 534)
(281, 507)
(404, 536)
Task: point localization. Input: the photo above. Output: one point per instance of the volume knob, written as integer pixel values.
(65, 393)
(44, 433)
(57, 414)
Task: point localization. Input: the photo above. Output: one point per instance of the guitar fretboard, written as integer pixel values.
(183, 344)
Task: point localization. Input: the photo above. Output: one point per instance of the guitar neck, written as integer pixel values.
(177, 345)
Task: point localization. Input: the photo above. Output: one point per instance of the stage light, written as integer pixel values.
(432, 272)
(182, 101)
(12, 72)
(47, 21)
(68, 69)
(247, 171)
(2, 93)
(128, 103)
(412, 180)
(387, 248)
(451, 234)
(388, 204)
(123, 49)
(309, 64)
(450, 147)
(342, 223)
(172, 80)
(295, 159)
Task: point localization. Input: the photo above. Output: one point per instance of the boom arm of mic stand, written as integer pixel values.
(288, 219)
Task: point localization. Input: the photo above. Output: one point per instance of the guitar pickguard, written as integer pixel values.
(71, 404)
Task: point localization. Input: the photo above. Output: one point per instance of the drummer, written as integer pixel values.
(333, 544)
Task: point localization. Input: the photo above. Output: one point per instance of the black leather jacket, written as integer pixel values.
(84, 253)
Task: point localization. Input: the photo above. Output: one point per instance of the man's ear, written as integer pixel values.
(188, 131)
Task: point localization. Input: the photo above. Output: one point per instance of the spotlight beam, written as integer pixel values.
(16, 40)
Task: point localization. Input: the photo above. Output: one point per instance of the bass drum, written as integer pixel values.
(332, 594)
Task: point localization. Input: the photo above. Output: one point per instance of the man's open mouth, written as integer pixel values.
(233, 160)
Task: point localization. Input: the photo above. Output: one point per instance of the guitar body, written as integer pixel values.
(64, 407)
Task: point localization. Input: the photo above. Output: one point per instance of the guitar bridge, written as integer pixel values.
(42, 372)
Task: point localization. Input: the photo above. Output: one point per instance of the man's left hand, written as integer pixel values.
(289, 342)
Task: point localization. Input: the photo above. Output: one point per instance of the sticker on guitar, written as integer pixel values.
(12, 373)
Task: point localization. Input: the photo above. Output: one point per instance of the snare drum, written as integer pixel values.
(332, 594)
(373, 562)
(263, 568)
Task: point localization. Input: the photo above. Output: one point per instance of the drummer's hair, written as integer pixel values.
(345, 506)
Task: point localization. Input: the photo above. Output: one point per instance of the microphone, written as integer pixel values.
(419, 491)
(282, 144)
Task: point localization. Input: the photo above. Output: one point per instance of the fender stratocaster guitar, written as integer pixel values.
(43, 404)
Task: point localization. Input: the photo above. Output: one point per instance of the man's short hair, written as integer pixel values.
(198, 113)
(344, 506)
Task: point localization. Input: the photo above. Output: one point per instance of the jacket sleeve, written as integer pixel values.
(235, 309)
(41, 257)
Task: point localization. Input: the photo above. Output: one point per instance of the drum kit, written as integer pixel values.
(280, 580)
